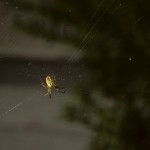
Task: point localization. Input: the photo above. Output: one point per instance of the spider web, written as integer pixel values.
(65, 72)
(22, 96)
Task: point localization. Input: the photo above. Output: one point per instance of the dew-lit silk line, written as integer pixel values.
(11, 109)
(86, 28)
(78, 50)
(18, 105)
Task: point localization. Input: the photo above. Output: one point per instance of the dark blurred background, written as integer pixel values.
(99, 51)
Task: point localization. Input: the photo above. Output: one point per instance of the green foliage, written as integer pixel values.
(116, 105)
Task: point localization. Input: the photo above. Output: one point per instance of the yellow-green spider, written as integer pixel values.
(51, 84)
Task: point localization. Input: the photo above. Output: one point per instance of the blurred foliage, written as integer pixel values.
(115, 102)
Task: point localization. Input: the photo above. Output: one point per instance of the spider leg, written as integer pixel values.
(60, 89)
(46, 94)
(50, 95)
(42, 83)
(54, 77)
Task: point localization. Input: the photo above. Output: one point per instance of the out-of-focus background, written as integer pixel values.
(98, 50)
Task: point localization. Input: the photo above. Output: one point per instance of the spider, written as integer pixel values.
(51, 84)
